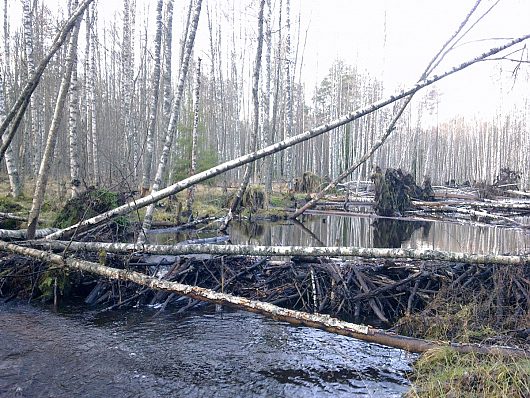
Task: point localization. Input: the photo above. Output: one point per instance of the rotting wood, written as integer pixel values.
(277, 147)
(266, 251)
(319, 321)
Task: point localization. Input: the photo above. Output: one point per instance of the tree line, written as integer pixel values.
(128, 121)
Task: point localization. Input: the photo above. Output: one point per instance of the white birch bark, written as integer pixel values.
(36, 136)
(44, 169)
(15, 115)
(289, 172)
(127, 90)
(255, 118)
(321, 321)
(73, 124)
(277, 147)
(92, 97)
(168, 30)
(267, 131)
(175, 113)
(12, 170)
(153, 106)
(194, 134)
(281, 251)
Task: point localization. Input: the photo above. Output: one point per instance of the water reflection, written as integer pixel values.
(362, 231)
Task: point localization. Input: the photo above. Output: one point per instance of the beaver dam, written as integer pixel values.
(406, 280)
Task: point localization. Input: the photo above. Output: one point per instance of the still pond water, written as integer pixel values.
(83, 353)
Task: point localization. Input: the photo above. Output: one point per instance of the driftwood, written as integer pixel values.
(267, 251)
(326, 322)
(277, 147)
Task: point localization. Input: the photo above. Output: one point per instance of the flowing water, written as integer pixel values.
(80, 353)
(83, 353)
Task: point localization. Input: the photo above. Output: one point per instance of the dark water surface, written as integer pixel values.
(225, 354)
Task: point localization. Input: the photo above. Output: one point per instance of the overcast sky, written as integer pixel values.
(393, 40)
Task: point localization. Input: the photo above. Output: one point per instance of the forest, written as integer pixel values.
(183, 158)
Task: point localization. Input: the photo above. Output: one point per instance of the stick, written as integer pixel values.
(319, 321)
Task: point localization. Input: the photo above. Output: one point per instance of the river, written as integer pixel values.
(77, 352)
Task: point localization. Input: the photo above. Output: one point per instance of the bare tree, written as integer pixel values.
(175, 113)
(194, 134)
(44, 169)
(153, 108)
(255, 99)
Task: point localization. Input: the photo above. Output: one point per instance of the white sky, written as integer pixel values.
(392, 39)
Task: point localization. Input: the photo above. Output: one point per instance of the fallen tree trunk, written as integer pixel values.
(267, 251)
(22, 233)
(271, 149)
(319, 321)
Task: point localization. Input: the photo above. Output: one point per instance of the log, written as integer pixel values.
(271, 149)
(22, 233)
(319, 321)
(267, 251)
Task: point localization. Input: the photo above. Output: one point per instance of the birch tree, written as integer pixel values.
(73, 121)
(44, 169)
(127, 90)
(175, 113)
(289, 91)
(36, 135)
(155, 82)
(255, 99)
(193, 166)
(12, 170)
(157, 195)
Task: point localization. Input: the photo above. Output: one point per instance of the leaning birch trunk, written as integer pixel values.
(319, 321)
(268, 251)
(254, 139)
(191, 190)
(279, 146)
(170, 134)
(433, 63)
(44, 170)
(15, 115)
(153, 108)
